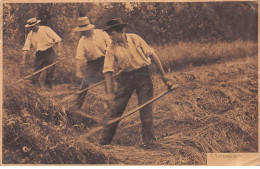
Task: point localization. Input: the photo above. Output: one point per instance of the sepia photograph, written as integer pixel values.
(130, 83)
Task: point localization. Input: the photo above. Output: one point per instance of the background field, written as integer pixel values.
(212, 56)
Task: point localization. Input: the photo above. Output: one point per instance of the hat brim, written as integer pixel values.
(116, 26)
(86, 28)
(27, 26)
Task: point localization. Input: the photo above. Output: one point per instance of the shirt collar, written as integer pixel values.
(124, 43)
(36, 31)
(92, 35)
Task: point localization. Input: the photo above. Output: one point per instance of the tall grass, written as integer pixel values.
(178, 56)
(174, 57)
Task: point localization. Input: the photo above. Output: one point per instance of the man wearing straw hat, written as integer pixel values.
(130, 53)
(42, 38)
(90, 55)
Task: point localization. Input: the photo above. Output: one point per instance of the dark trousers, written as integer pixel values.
(139, 80)
(42, 59)
(93, 75)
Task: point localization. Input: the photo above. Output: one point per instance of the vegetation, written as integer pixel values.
(209, 51)
(157, 22)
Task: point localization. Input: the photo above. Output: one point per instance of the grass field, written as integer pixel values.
(214, 110)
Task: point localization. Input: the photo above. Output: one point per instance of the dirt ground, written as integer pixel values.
(214, 110)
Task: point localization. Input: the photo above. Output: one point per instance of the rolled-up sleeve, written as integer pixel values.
(53, 35)
(109, 61)
(28, 42)
(148, 51)
(80, 55)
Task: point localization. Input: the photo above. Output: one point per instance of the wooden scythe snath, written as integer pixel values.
(96, 129)
(96, 84)
(46, 67)
(88, 88)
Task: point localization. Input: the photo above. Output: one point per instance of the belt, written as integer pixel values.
(50, 48)
(99, 60)
(142, 70)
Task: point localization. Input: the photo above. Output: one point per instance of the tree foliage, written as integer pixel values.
(157, 23)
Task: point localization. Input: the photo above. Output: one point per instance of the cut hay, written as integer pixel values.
(214, 111)
(38, 131)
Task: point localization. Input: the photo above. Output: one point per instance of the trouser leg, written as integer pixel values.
(38, 64)
(123, 94)
(50, 57)
(91, 76)
(81, 97)
(144, 90)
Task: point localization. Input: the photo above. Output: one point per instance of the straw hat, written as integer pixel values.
(31, 22)
(83, 24)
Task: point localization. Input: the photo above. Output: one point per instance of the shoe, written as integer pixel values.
(48, 87)
(149, 144)
(36, 84)
(102, 142)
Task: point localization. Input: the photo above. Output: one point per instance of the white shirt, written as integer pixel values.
(134, 54)
(93, 47)
(43, 39)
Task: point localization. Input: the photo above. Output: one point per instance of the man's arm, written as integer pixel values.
(107, 39)
(148, 51)
(80, 68)
(158, 63)
(58, 44)
(109, 86)
(108, 70)
(52, 34)
(80, 60)
(25, 53)
(56, 39)
(26, 48)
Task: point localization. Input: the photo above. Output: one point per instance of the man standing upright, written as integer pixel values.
(130, 53)
(90, 55)
(43, 39)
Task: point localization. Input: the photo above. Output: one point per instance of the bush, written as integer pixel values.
(157, 22)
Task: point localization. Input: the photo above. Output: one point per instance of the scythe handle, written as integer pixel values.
(95, 85)
(46, 67)
(96, 129)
